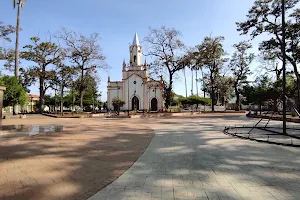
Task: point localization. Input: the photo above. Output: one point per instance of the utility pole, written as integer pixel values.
(283, 67)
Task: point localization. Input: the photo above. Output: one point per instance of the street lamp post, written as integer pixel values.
(283, 67)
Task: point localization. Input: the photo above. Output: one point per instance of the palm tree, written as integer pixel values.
(185, 82)
(185, 61)
(20, 4)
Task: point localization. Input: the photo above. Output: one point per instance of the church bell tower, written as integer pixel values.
(135, 52)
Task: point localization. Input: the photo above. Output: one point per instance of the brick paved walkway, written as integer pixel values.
(75, 164)
(190, 158)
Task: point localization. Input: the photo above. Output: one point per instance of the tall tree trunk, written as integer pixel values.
(192, 90)
(212, 95)
(17, 40)
(81, 89)
(62, 100)
(294, 64)
(81, 99)
(237, 101)
(169, 91)
(260, 109)
(41, 108)
(15, 107)
(204, 98)
(197, 83)
(185, 82)
(298, 91)
(73, 100)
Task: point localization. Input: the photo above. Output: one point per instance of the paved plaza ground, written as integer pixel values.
(188, 158)
(73, 164)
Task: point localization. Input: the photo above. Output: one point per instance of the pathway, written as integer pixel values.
(190, 158)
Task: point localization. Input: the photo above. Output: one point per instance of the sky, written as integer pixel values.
(117, 21)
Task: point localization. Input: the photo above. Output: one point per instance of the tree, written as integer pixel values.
(271, 65)
(186, 61)
(15, 93)
(64, 78)
(5, 31)
(166, 48)
(117, 103)
(194, 100)
(85, 54)
(91, 91)
(211, 53)
(224, 87)
(20, 6)
(240, 67)
(43, 54)
(258, 93)
(265, 17)
(51, 101)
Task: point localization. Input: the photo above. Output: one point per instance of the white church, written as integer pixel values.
(137, 89)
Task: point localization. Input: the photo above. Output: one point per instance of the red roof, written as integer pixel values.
(33, 96)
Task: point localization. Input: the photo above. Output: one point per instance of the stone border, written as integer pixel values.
(295, 120)
(88, 115)
(142, 115)
(226, 132)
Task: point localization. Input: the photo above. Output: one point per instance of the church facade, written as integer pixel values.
(137, 89)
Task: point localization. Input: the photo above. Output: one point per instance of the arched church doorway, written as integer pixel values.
(135, 103)
(154, 104)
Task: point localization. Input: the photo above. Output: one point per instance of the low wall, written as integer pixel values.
(277, 118)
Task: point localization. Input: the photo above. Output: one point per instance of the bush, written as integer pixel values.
(134, 112)
(192, 100)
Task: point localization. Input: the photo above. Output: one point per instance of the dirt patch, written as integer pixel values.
(73, 164)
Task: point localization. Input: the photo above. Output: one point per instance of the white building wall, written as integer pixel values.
(138, 87)
(112, 94)
(155, 94)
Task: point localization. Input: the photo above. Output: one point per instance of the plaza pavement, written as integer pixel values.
(73, 164)
(191, 158)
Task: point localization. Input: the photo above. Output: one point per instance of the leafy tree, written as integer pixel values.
(20, 4)
(271, 65)
(15, 93)
(43, 54)
(85, 54)
(240, 67)
(166, 48)
(211, 53)
(117, 103)
(91, 91)
(258, 93)
(194, 100)
(51, 101)
(5, 31)
(64, 78)
(265, 17)
(224, 87)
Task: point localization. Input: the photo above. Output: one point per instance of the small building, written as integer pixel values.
(30, 107)
(137, 89)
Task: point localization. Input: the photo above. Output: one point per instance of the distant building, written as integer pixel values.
(137, 89)
(30, 107)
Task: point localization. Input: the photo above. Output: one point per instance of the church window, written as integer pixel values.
(134, 58)
(134, 82)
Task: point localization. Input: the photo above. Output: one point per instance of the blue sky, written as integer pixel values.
(118, 20)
